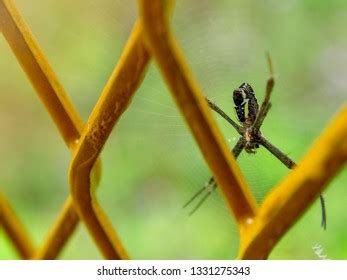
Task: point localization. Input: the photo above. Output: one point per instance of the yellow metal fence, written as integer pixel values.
(260, 226)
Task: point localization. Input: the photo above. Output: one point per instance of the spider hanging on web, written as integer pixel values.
(251, 118)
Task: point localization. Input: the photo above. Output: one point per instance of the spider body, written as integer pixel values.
(252, 140)
(246, 104)
(247, 108)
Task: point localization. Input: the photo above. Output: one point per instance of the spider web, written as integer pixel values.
(151, 164)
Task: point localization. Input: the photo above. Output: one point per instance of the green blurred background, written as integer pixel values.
(151, 165)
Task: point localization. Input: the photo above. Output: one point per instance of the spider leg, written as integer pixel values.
(324, 212)
(276, 152)
(218, 110)
(265, 106)
(214, 186)
(211, 185)
(211, 181)
(261, 118)
(291, 164)
(238, 147)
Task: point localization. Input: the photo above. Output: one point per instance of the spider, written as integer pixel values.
(251, 118)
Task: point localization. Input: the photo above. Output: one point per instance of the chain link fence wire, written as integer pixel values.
(260, 226)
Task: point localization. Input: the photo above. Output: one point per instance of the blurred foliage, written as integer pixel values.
(151, 164)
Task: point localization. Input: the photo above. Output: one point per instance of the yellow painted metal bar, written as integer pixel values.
(287, 202)
(37, 68)
(114, 100)
(194, 108)
(42, 77)
(15, 229)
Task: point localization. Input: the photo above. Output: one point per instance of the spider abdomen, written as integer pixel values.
(246, 105)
